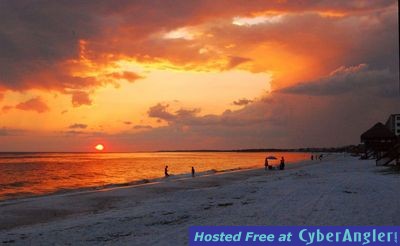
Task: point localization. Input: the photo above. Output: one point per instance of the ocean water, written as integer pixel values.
(29, 174)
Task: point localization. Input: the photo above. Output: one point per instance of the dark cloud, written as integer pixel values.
(127, 122)
(242, 102)
(36, 37)
(78, 126)
(189, 117)
(184, 113)
(86, 134)
(160, 111)
(235, 61)
(34, 104)
(139, 127)
(348, 80)
(5, 132)
(73, 132)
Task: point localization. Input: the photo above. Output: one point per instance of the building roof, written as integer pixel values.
(378, 131)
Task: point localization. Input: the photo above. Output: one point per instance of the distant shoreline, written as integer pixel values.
(342, 149)
(311, 149)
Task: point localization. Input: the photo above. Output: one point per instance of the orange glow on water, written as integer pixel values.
(85, 170)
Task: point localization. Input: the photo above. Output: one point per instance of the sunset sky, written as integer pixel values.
(201, 74)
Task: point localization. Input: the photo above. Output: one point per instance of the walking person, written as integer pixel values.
(282, 165)
(166, 171)
(193, 172)
(266, 164)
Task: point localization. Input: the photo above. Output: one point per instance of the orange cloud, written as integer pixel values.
(128, 76)
(6, 108)
(80, 98)
(85, 38)
(34, 104)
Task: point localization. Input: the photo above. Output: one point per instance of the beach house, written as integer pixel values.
(383, 141)
(393, 123)
(377, 140)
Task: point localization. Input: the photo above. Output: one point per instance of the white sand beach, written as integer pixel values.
(340, 190)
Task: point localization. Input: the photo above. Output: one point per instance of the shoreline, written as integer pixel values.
(130, 184)
(134, 183)
(338, 191)
(158, 183)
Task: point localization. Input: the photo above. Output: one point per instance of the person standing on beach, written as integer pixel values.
(266, 164)
(193, 172)
(166, 171)
(282, 165)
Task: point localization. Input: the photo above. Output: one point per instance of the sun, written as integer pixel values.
(99, 147)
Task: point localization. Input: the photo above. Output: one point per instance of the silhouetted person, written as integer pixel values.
(166, 171)
(193, 172)
(266, 164)
(320, 157)
(312, 157)
(282, 165)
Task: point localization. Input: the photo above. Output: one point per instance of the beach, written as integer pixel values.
(339, 190)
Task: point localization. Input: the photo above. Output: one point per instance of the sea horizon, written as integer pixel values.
(255, 150)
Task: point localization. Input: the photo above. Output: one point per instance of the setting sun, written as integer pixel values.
(99, 147)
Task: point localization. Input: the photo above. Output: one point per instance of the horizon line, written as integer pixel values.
(189, 150)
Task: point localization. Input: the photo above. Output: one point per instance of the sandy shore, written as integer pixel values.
(338, 191)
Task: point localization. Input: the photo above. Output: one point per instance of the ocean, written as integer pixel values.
(30, 174)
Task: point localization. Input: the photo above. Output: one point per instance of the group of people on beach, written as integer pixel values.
(317, 157)
(167, 174)
(267, 167)
(270, 167)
